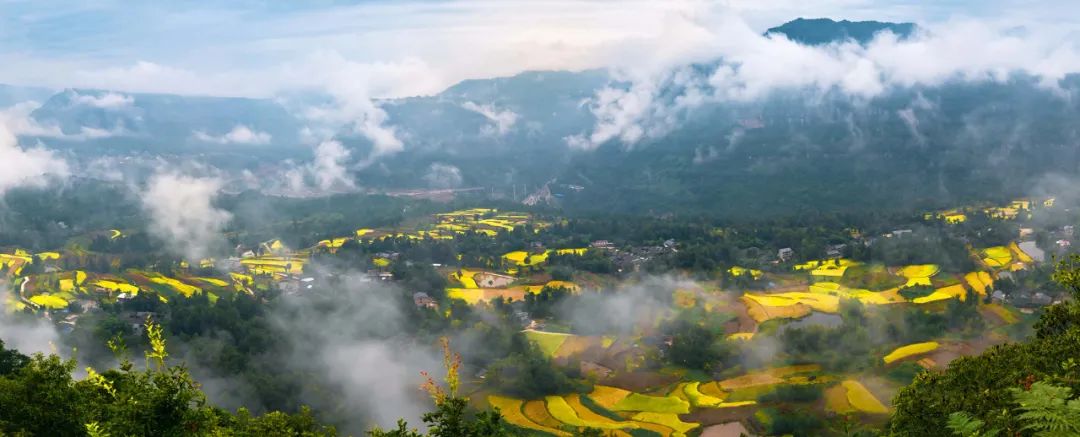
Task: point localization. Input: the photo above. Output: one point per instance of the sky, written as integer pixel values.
(382, 48)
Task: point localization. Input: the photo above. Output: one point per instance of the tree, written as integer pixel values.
(451, 417)
(527, 373)
(11, 360)
(42, 398)
(988, 387)
(696, 341)
(1046, 410)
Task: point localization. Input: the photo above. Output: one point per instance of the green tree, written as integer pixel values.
(11, 360)
(451, 417)
(988, 387)
(1046, 410)
(42, 398)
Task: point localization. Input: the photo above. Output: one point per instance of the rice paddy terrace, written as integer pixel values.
(625, 391)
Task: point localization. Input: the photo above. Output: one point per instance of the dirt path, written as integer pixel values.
(22, 292)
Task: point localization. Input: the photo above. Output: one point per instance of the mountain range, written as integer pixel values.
(789, 152)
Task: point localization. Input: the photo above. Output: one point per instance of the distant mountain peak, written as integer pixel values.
(820, 31)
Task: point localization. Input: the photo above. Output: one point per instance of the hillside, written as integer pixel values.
(790, 151)
(819, 31)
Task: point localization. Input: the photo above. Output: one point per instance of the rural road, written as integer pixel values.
(22, 292)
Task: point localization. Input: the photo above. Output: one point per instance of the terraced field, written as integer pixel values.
(910, 351)
(944, 293)
(624, 413)
(919, 274)
(980, 282)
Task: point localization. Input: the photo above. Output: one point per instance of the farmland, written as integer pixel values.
(643, 341)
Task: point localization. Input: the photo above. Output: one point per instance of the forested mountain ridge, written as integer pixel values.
(788, 151)
(818, 31)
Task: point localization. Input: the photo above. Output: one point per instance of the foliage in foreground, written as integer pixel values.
(39, 396)
(1045, 410)
(451, 417)
(1014, 389)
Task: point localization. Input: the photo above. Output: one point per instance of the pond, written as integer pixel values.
(814, 319)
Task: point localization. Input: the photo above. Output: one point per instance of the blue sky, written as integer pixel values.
(260, 47)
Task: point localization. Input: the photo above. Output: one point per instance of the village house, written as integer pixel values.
(423, 300)
(601, 244)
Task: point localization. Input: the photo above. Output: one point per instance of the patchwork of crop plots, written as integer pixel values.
(621, 411)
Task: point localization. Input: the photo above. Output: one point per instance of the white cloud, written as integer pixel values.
(353, 86)
(353, 345)
(501, 120)
(108, 100)
(239, 134)
(329, 166)
(751, 65)
(183, 215)
(28, 335)
(21, 166)
(377, 50)
(148, 77)
(18, 121)
(328, 172)
(441, 175)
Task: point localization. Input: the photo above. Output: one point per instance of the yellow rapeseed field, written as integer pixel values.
(819, 302)
(836, 400)
(511, 412)
(570, 286)
(771, 376)
(584, 412)
(980, 282)
(536, 411)
(656, 404)
(910, 351)
(563, 284)
(607, 396)
(997, 256)
(465, 277)
(549, 342)
(68, 283)
(1020, 254)
(861, 399)
(335, 243)
(1002, 312)
(117, 287)
(740, 271)
(214, 281)
(919, 274)
(472, 296)
(574, 251)
(944, 293)
(523, 258)
(276, 264)
(761, 313)
(49, 301)
(833, 268)
(697, 398)
(670, 420)
(562, 411)
(180, 287)
(242, 278)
